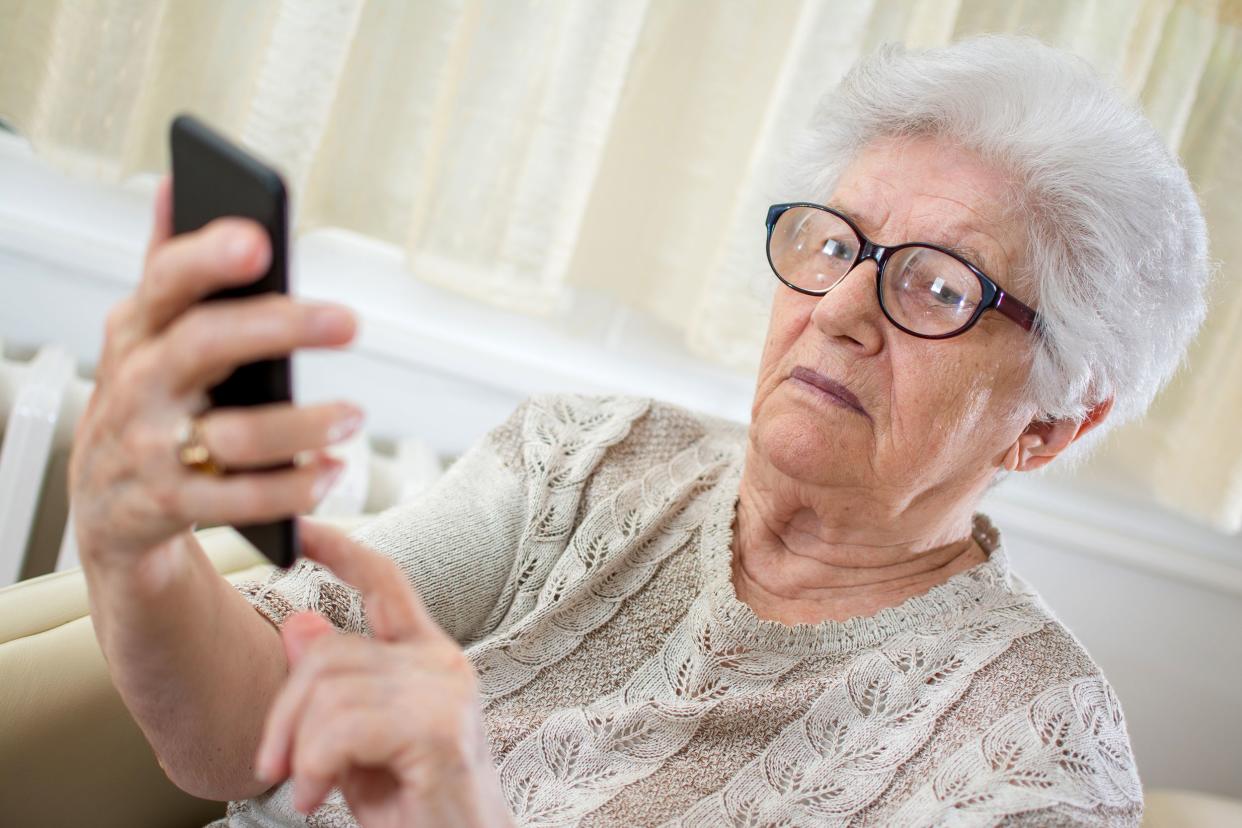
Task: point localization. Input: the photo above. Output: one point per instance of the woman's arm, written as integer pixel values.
(455, 543)
(194, 663)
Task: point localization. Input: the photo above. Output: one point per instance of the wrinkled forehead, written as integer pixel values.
(921, 189)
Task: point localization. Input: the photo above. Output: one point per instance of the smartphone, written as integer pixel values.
(214, 177)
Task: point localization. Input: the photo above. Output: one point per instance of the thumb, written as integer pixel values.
(299, 630)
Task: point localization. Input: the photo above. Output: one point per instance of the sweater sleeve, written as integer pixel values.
(455, 544)
(1063, 815)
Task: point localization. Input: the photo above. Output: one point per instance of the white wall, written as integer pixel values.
(1156, 601)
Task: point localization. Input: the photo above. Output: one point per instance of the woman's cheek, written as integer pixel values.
(783, 332)
(957, 417)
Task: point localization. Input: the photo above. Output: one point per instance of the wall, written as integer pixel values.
(1156, 601)
(1159, 606)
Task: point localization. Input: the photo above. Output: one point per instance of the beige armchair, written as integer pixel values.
(71, 755)
(69, 752)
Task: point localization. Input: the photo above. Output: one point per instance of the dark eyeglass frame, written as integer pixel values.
(994, 296)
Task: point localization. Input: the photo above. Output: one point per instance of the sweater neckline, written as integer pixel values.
(933, 611)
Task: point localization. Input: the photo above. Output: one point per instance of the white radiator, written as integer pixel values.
(40, 402)
(41, 399)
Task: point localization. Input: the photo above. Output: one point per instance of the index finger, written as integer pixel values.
(226, 252)
(394, 610)
(127, 321)
(161, 218)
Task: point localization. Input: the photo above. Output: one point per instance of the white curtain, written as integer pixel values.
(522, 151)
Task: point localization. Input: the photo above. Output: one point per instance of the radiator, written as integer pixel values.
(42, 396)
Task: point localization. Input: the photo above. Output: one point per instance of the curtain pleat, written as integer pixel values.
(1187, 451)
(525, 152)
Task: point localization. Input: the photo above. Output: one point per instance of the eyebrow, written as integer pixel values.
(970, 254)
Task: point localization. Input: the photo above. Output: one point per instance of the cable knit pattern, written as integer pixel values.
(967, 705)
(1067, 746)
(835, 760)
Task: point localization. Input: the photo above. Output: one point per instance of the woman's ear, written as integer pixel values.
(1043, 440)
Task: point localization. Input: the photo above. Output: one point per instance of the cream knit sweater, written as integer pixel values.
(580, 552)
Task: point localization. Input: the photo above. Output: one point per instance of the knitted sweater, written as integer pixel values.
(580, 552)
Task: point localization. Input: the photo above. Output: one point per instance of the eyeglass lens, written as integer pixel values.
(922, 289)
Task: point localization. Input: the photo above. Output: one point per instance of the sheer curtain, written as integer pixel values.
(520, 151)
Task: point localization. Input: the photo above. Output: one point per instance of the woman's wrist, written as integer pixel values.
(135, 594)
(144, 573)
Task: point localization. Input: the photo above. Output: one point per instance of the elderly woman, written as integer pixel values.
(613, 611)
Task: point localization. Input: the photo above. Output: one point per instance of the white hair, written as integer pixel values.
(1116, 262)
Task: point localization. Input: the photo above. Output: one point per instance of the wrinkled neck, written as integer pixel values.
(804, 556)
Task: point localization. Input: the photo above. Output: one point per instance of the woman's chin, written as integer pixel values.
(807, 445)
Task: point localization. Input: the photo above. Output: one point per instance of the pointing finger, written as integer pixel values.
(394, 610)
(299, 630)
(324, 656)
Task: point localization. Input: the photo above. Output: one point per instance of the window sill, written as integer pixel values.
(485, 359)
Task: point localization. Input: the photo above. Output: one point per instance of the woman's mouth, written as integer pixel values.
(829, 388)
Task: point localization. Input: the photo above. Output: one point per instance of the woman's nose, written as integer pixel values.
(850, 312)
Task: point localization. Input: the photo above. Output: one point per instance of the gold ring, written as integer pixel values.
(191, 451)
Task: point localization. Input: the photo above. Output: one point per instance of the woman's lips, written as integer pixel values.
(832, 388)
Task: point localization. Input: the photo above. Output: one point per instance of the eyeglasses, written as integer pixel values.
(925, 290)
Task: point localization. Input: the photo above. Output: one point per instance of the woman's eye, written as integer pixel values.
(944, 293)
(942, 296)
(837, 249)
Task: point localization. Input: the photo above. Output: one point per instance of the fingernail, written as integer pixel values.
(325, 481)
(329, 320)
(345, 426)
(240, 246)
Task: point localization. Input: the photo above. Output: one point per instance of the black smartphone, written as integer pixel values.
(214, 177)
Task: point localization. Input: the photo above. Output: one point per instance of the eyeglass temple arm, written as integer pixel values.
(1014, 309)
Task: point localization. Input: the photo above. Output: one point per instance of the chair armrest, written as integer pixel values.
(1175, 808)
(71, 753)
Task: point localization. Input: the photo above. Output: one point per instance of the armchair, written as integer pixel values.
(70, 754)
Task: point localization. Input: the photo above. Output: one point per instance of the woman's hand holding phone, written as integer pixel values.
(162, 350)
